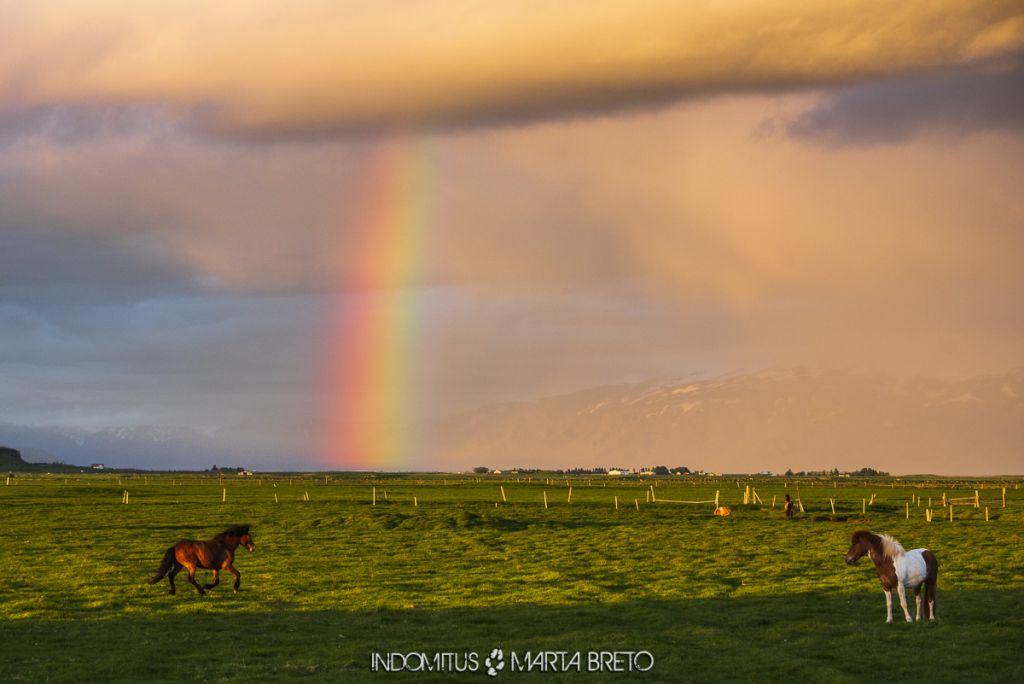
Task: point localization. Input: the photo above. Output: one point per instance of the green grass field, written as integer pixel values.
(336, 579)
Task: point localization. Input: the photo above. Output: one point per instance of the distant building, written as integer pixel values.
(245, 473)
(97, 466)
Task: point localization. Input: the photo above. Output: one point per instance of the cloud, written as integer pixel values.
(321, 68)
(157, 276)
(957, 102)
(75, 269)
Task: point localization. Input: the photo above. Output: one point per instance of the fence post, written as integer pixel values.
(545, 499)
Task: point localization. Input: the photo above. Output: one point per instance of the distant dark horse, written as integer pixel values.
(216, 554)
(900, 569)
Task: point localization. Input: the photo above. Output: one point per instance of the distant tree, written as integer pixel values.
(481, 469)
(680, 470)
(871, 472)
(789, 472)
(660, 470)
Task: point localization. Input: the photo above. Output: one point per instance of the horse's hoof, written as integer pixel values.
(171, 592)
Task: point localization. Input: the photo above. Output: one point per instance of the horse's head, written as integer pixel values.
(243, 534)
(860, 544)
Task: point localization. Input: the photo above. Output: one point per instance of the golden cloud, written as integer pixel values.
(321, 67)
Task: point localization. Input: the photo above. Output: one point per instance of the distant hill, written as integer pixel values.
(799, 419)
(11, 461)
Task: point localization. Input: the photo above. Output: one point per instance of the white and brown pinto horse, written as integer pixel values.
(898, 569)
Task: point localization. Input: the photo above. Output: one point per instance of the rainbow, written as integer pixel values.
(370, 372)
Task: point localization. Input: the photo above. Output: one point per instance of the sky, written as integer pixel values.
(277, 222)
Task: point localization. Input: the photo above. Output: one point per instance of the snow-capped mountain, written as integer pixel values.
(152, 448)
(799, 419)
(774, 420)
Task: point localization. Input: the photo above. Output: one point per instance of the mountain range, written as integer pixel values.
(795, 419)
(145, 448)
(776, 420)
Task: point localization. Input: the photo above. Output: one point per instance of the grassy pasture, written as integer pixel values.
(335, 579)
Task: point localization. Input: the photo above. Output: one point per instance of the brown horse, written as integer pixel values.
(216, 554)
(900, 569)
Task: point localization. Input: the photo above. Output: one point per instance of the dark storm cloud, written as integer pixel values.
(209, 361)
(963, 101)
(73, 268)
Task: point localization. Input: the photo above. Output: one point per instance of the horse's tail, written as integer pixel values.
(166, 564)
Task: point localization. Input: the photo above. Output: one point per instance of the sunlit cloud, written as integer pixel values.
(319, 68)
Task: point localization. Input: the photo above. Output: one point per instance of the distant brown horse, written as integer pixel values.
(216, 554)
(899, 569)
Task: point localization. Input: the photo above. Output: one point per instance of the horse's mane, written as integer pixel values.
(890, 547)
(235, 531)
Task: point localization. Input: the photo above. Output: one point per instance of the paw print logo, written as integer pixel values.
(495, 662)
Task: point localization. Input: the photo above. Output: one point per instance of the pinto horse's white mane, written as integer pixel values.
(890, 547)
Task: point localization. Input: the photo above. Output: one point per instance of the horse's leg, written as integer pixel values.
(215, 582)
(929, 596)
(192, 578)
(238, 576)
(903, 601)
(170, 575)
(918, 600)
(888, 605)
